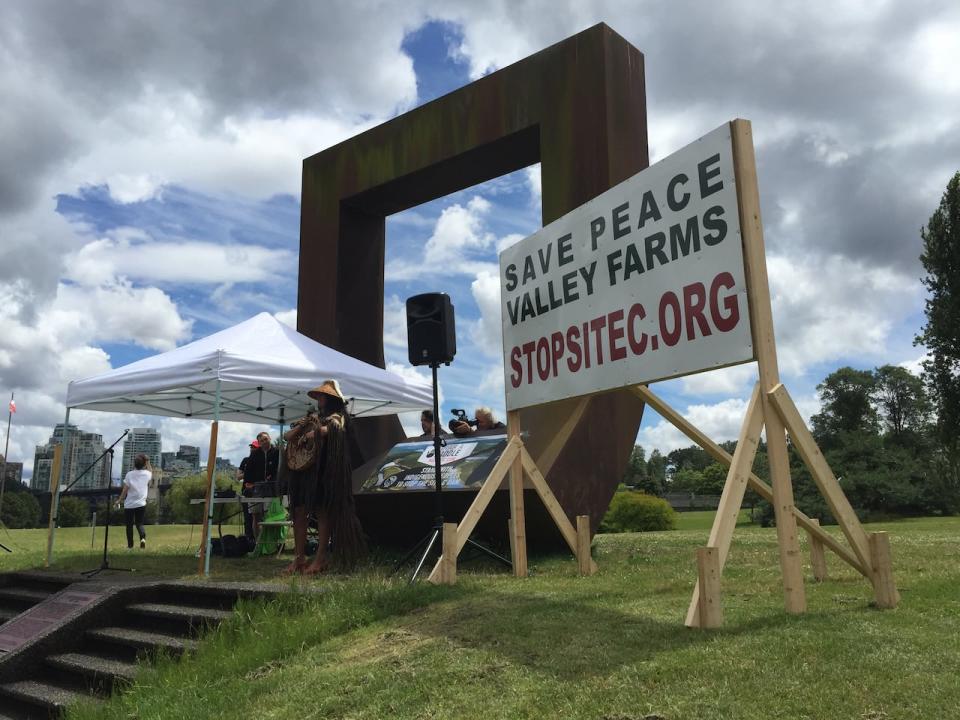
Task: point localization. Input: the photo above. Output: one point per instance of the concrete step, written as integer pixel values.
(189, 615)
(18, 595)
(102, 674)
(46, 698)
(141, 640)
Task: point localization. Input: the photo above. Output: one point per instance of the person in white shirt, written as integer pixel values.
(134, 498)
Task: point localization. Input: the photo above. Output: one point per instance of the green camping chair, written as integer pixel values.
(273, 530)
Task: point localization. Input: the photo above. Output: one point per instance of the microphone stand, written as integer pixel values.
(104, 565)
(437, 531)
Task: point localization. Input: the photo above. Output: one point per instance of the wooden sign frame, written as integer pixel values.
(770, 408)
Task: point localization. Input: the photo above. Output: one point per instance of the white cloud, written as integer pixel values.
(287, 317)
(728, 381)
(121, 313)
(534, 183)
(459, 231)
(720, 422)
(487, 332)
(394, 323)
(829, 308)
(199, 262)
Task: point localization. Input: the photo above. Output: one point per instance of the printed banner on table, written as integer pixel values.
(644, 282)
(464, 464)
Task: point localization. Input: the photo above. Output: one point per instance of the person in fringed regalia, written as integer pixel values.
(324, 489)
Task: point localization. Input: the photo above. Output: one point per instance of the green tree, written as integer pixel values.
(20, 510)
(636, 466)
(657, 470)
(714, 478)
(902, 402)
(693, 457)
(194, 487)
(941, 333)
(846, 400)
(73, 512)
(687, 480)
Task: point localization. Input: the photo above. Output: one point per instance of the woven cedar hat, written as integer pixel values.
(328, 387)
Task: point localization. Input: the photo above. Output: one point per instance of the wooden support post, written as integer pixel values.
(806, 447)
(756, 484)
(884, 589)
(724, 522)
(54, 499)
(510, 535)
(448, 561)
(480, 502)
(519, 526)
(553, 506)
(761, 324)
(818, 559)
(584, 561)
(204, 565)
(708, 575)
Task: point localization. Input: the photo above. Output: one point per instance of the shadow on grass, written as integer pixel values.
(570, 638)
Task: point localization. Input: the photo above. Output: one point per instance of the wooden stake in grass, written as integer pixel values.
(884, 589)
(708, 575)
(519, 526)
(818, 560)
(448, 561)
(584, 564)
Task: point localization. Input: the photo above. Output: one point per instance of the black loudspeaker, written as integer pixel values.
(431, 335)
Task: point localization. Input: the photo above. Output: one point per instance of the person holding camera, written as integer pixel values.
(485, 420)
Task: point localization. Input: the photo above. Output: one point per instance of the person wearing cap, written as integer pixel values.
(258, 475)
(324, 490)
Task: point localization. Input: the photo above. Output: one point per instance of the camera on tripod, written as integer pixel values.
(460, 416)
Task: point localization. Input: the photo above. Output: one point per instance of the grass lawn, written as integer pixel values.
(609, 647)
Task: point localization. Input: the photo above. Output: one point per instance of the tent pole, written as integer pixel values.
(280, 448)
(55, 491)
(211, 472)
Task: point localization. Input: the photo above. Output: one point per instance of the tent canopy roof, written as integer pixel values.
(265, 369)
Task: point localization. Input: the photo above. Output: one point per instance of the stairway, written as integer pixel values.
(23, 591)
(105, 656)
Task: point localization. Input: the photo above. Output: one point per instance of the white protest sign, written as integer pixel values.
(644, 282)
(450, 453)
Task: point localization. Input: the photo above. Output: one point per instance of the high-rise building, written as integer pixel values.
(141, 440)
(85, 455)
(225, 465)
(190, 454)
(12, 471)
(65, 435)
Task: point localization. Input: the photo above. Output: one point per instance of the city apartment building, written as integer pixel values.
(141, 440)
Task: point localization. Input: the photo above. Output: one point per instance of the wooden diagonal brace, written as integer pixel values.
(724, 522)
(756, 484)
(552, 504)
(823, 476)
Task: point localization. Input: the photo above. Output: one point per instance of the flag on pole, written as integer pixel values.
(13, 406)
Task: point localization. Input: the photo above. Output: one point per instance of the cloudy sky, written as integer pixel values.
(151, 156)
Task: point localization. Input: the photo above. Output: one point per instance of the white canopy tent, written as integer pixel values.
(258, 371)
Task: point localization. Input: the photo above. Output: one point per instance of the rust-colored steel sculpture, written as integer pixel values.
(577, 107)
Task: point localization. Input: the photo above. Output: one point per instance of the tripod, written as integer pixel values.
(430, 539)
(104, 565)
